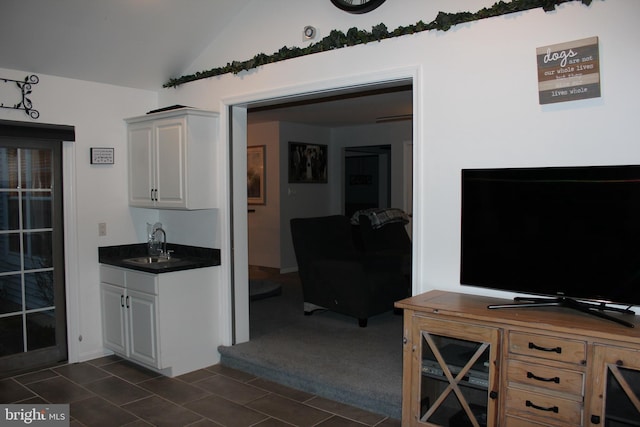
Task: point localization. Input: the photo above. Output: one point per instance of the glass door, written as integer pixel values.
(618, 373)
(32, 309)
(458, 374)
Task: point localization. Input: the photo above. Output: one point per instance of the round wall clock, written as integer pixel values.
(357, 6)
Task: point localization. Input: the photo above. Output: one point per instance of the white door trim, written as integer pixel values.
(233, 131)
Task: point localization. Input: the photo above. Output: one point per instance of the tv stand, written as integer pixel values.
(466, 365)
(593, 309)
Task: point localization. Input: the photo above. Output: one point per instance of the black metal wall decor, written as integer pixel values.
(25, 87)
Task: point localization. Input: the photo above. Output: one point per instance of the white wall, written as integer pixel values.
(269, 236)
(98, 193)
(302, 200)
(475, 103)
(264, 220)
(92, 193)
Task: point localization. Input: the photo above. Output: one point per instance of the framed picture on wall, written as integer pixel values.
(307, 163)
(256, 169)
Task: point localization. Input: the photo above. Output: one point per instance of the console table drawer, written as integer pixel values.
(511, 421)
(560, 380)
(543, 408)
(552, 348)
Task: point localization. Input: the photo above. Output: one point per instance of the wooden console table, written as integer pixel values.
(466, 365)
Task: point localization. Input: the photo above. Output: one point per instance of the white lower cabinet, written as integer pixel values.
(114, 324)
(162, 321)
(143, 335)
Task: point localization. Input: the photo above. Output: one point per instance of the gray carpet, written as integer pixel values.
(260, 289)
(326, 354)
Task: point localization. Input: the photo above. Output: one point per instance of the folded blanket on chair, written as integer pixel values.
(381, 216)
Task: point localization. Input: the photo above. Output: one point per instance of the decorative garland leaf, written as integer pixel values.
(379, 32)
(337, 39)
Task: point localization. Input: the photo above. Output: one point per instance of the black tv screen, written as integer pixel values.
(569, 232)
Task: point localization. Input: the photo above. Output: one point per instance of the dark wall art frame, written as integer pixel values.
(256, 175)
(307, 163)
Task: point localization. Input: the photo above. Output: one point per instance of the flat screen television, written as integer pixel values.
(571, 233)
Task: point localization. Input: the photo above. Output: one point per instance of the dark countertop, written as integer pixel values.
(185, 257)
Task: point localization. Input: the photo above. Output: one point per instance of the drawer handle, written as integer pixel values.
(530, 404)
(549, 349)
(546, 380)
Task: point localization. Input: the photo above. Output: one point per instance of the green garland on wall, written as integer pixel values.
(337, 39)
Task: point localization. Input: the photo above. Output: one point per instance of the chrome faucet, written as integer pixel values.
(163, 251)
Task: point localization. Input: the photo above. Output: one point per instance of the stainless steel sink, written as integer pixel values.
(151, 260)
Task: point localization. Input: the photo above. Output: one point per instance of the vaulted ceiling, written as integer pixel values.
(143, 43)
(139, 44)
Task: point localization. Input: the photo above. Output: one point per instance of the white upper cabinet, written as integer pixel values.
(171, 157)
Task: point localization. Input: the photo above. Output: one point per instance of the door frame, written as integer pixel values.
(234, 238)
(407, 185)
(70, 222)
(384, 165)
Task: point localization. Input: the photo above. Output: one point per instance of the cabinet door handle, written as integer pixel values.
(551, 349)
(530, 404)
(547, 380)
(127, 301)
(121, 300)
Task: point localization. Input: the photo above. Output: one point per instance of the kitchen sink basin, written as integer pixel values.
(146, 260)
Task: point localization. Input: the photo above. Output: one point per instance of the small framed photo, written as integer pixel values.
(101, 156)
(256, 169)
(307, 163)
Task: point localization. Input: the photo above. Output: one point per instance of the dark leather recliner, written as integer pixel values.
(336, 276)
(391, 240)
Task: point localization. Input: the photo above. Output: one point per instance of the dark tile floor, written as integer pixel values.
(112, 392)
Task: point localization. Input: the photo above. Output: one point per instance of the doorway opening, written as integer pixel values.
(344, 106)
(367, 178)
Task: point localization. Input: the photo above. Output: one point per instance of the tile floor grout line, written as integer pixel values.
(30, 391)
(83, 378)
(137, 418)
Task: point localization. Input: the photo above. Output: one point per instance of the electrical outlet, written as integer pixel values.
(102, 229)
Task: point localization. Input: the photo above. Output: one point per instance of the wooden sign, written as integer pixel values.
(569, 71)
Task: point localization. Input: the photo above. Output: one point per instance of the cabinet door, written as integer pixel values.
(141, 166)
(113, 318)
(143, 340)
(615, 398)
(455, 373)
(170, 147)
